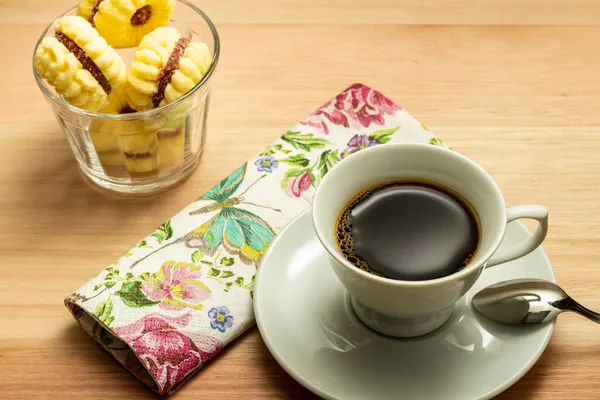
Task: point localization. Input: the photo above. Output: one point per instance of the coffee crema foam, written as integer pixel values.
(343, 231)
(343, 234)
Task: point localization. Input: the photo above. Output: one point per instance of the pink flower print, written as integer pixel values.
(167, 354)
(176, 286)
(295, 185)
(365, 105)
(317, 120)
(356, 107)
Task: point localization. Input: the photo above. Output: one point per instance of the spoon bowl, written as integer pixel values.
(527, 301)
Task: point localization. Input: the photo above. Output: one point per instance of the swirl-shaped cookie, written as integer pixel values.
(123, 23)
(164, 68)
(79, 64)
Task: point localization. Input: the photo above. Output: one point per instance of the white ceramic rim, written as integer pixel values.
(258, 316)
(372, 152)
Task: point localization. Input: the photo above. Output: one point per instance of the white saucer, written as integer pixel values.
(306, 321)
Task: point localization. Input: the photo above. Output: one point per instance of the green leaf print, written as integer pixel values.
(223, 276)
(197, 256)
(163, 232)
(266, 152)
(270, 150)
(383, 135)
(304, 141)
(326, 161)
(436, 141)
(313, 180)
(132, 295)
(226, 274)
(227, 261)
(297, 160)
(103, 312)
(294, 172)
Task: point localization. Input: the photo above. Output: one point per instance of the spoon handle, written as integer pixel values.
(572, 305)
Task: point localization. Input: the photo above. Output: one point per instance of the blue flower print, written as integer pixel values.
(220, 318)
(266, 164)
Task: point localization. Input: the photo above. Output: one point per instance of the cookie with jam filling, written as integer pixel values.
(123, 23)
(79, 64)
(165, 67)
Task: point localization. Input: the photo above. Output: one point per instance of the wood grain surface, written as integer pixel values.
(513, 84)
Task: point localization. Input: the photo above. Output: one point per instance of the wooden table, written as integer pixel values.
(513, 84)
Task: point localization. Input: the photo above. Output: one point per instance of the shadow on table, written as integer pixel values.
(54, 177)
(284, 383)
(52, 193)
(93, 370)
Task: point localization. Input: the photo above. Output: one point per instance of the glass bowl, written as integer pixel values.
(141, 153)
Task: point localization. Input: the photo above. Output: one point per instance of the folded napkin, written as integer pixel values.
(184, 292)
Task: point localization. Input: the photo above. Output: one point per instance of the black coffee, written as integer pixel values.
(408, 231)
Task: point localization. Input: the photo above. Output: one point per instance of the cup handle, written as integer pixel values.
(540, 214)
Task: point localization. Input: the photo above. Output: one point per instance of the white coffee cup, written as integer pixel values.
(414, 308)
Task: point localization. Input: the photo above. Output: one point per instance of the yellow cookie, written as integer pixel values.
(164, 68)
(123, 23)
(105, 134)
(141, 152)
(117, 103)
(171, 144)
(129, 144)
(79, 64)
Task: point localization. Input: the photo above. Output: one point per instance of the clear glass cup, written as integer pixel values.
(145, 152)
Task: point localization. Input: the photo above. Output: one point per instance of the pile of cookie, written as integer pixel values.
(80, 62)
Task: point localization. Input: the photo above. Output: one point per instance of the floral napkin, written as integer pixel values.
(173, 301)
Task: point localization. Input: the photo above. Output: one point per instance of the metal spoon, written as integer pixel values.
(527, 301)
